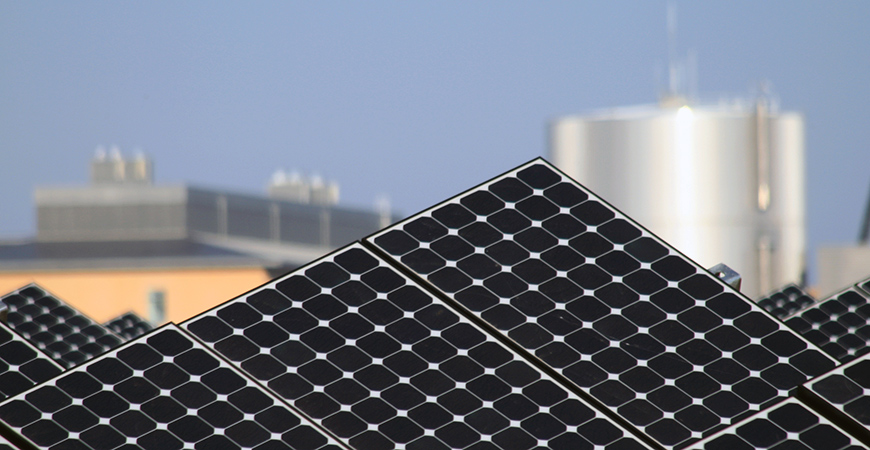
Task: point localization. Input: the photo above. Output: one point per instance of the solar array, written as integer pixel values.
(21, 364)
(66, 335)
(786, 301)
(592, 295)
(128, 326)
(380, 362)
(525, 313)
(165, 391)
(839, 325)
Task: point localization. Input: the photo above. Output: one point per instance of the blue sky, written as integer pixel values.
(413, 100)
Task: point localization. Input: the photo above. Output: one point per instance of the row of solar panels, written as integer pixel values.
(64, 333)
(839, 323)
(525, 313)
(42, 336)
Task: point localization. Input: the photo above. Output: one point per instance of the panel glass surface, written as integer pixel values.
(847, 389)
(63, 333)
(840, 325)
(163, 391)
(128, 326)
(619, 313)
(21, 364)
(786, 301)
(790, 425)
(378, 361)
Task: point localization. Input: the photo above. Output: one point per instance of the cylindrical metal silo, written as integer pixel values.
(721, 183)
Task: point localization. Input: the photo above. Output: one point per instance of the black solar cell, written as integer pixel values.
(381, 363)
(162, 391)
(788, 425)
(129, 326)
(21, 364)
(786, 301)
(629, 320)
(66, 335)
(840, 324)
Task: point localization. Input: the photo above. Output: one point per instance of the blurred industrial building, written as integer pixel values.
(845, 262)
(167, 252)
(721, 181)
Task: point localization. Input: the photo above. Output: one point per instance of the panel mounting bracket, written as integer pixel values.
(726, 274)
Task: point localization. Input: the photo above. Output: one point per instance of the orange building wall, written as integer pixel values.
(106, 294)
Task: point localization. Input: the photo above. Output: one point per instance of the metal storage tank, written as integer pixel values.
(721, 182)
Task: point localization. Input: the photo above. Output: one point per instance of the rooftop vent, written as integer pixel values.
(297, 188)
(113, 168)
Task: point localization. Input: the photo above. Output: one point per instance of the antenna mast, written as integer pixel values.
(672, 49)
(678, 80)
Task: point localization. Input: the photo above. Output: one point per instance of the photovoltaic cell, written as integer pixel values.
(846, 389)
(786, 301)
(789, 425)
(840, 325)
(66, 335)
(128, 326)
(612, 308)
(21, 364)
(374, 358)
(163, 391)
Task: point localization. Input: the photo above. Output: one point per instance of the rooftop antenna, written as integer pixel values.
(692, 75)
(672, 49)
(677, 77)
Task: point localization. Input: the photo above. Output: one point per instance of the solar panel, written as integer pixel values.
(162, 391)
(865, 285)
(367, 353)
(21, 364)
(66, 335)
(846, 391)
(786, 301)
(128, 326)
(606, 304)
(840, 324)
(788, 425)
